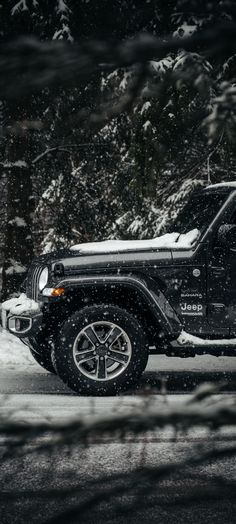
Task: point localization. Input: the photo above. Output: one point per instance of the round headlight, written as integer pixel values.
(43, 279)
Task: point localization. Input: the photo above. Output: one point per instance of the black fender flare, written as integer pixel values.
(153, 296)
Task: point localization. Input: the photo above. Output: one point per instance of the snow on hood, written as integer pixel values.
(169, 241)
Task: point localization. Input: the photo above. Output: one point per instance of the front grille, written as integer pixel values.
(32, 287)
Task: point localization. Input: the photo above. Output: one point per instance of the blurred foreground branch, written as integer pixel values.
(201, 411)
(126, 490)
(28, 65)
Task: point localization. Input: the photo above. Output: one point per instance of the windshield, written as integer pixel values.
(198, 212)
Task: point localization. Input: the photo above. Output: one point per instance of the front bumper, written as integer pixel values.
(21, 316)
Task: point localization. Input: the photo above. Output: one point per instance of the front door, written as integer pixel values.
(221, 286)
(186, 289)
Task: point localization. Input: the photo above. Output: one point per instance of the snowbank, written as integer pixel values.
(169, 241)
(13, 353)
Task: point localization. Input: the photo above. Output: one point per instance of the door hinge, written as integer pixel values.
(218, 271)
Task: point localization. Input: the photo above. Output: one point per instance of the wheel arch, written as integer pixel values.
(143, 299)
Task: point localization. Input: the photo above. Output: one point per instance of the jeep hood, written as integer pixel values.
(168, 241)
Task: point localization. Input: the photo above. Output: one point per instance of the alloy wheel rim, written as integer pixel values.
(102, 351)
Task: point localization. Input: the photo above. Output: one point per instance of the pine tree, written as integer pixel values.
(24, 17)
(92, 177)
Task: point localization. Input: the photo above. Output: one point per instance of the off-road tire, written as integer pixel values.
(64, 361)
(42, 353)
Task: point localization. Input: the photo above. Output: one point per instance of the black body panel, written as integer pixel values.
(191, 289)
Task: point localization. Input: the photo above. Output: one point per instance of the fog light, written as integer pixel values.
(17, 324)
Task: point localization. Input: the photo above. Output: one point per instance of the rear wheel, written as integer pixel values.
(101, 350)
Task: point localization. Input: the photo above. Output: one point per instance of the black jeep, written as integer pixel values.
(94, 312)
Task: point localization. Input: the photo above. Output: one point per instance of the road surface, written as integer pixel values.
(28, 393)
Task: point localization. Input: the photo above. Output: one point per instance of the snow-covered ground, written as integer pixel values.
(34, 396)
(16, 356)
(27, 391)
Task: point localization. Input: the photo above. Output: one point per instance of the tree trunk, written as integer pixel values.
(18, 248)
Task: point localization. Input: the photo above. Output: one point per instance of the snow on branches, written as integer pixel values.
(222, 117)
(19, 6)
(63, 13)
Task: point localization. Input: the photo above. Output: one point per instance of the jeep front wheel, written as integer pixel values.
(101, 350)
(41, 352)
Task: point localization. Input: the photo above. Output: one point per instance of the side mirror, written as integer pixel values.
(226, 235)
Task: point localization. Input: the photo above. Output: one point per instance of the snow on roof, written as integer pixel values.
(221, 184)
(169, 241)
